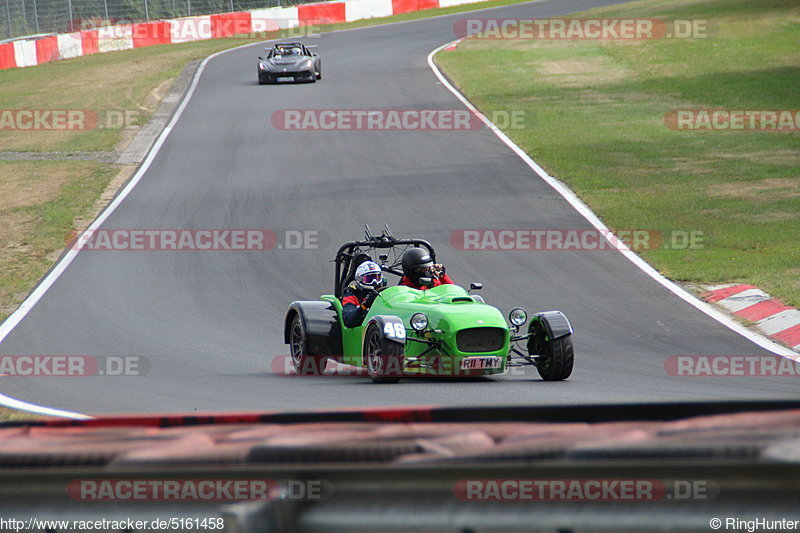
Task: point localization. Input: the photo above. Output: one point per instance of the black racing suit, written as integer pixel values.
(355, 304)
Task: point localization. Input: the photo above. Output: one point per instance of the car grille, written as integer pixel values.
(475, 340)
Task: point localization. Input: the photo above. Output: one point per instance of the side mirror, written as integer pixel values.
(475, 286)
(260, 58)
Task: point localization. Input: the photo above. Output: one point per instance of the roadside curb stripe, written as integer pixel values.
(778, 322)
(762, 310)
(772, 317)
(716, 295)
(790, 336)
(584, 210)
(743, 300)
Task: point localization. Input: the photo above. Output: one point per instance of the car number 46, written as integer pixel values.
(394, 329)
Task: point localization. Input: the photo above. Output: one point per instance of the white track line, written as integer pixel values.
(7, 401)
(587, 213)
(16, 317)
(39, 291)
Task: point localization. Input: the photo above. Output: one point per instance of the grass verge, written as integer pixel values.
(42, 201)
(10, 415)
(595, 119)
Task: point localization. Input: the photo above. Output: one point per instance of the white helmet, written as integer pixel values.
(368, 275)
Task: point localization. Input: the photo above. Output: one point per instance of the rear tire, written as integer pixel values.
(304, 363)
(383, 357)
(555, 356)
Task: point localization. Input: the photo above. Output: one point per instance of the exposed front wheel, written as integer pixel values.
(304, 363)
(384, 358)
(555, 356)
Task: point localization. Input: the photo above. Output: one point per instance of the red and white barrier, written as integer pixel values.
(407, 6)
(367, 9)
(322, 13)
(25, 53)
(270, 19)
(152, 33)
(114, 38)
(7, 56)
(47, 49)
(230, 24)
(30, 52)
(69, 45)
(89, 44)
(188, 29)
(450, 3)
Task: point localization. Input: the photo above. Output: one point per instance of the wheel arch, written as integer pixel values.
(551, 341)
(381, 321)
(321, 324)
(554, 323)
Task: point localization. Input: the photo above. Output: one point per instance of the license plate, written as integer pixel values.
(285, 78)
(481, 363)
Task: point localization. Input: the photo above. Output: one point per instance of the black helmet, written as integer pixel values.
(416, 263)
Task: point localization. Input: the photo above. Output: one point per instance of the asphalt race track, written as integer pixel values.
(208, 323)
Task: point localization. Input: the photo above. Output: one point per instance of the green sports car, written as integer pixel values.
(442, 331)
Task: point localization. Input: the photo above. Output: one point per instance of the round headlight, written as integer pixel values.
(419, 322)
(518, 316)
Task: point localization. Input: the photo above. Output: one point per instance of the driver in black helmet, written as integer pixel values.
(420, 272)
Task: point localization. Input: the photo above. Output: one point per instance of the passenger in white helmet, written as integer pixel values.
(359, 295)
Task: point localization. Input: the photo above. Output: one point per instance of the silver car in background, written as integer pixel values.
(289, 62)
